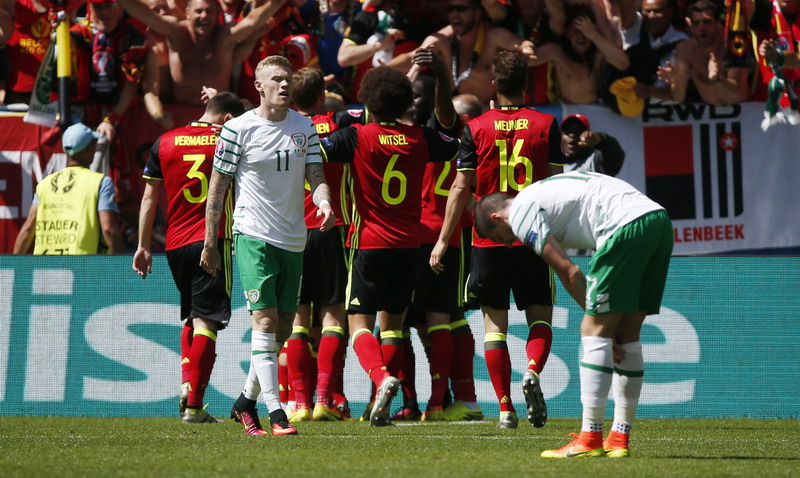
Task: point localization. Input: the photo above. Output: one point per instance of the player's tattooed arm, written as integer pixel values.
(319, 188)
(320, 194)
(209, 258)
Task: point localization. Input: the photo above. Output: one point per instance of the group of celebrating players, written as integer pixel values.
(378, 238)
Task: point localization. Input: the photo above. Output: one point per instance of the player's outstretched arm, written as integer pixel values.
(143, 258)
(570, 274)
(456, 202)
(321, 195)
(209, 258)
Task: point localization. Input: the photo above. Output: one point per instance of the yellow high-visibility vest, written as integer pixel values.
(66, 216)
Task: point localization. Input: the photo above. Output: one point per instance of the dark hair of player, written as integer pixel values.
(385, 92)
(308, 84)
(225, 102)
(510, 72)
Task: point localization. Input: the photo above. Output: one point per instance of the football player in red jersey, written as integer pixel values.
(180, 162)
(437, 298)
(388, 163)
(506, 149)
(324, 271)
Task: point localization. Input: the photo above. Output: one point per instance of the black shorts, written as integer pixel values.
(381, 279)
(324, 267)
(202, 296)
(497, 271)
(437, 292)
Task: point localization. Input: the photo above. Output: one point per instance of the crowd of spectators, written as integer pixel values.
(577, 48)
(621, 53)
(580, 51)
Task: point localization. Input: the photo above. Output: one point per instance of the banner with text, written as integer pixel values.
(726, 184)
(86, 336)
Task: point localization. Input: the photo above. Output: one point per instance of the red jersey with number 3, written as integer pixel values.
(183, 158)
(388, 164)
(509, 148)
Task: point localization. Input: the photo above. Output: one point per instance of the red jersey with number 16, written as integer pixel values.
(509, 148)
(183, 158)
(388, 163)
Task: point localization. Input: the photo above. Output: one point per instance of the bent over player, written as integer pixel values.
(632, 239)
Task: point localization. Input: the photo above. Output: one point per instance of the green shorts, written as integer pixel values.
(270, 276)
(629, 271)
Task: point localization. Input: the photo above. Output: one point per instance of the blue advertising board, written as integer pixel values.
(86, 336)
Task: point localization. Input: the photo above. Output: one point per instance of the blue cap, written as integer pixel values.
(77, 137)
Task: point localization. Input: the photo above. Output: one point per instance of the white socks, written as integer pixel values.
(264, 361)
(628, 379)
(596, 369)
(251, 386)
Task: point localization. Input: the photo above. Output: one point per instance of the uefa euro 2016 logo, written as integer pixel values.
(63, 181)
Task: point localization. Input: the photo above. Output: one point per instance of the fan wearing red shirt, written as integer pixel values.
(180, 162)
(324, 273)
(28, 43)
(506, 149)
(388, 161)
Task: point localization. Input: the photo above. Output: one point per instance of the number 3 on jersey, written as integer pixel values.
(390, 174)
(194, 173)
(508, 165)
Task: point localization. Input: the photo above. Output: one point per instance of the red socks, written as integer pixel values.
(328, 356)
(540, 339)
(440, 359)
(408, 373)
(186, 349)
(499, 364)
(392, 350)
(201, 362)
(283, 376)
(369, 355)
(461, 370)
(299, 364)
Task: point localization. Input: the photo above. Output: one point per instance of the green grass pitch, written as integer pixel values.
(57, 446)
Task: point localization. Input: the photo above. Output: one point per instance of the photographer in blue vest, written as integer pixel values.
(73, 210)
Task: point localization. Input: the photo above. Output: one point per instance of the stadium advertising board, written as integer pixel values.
(87, 336)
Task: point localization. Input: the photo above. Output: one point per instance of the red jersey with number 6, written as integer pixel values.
(509, 148)
(183, 158)
(388, 164)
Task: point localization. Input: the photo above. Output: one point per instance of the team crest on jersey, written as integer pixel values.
(445, 137)
(299, 139)
(531, 239)
(253, 295)
(220, 149)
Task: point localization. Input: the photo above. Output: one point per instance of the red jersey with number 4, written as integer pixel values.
(509, 148)
(326, 124)
(183, 158)
(388, 163)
